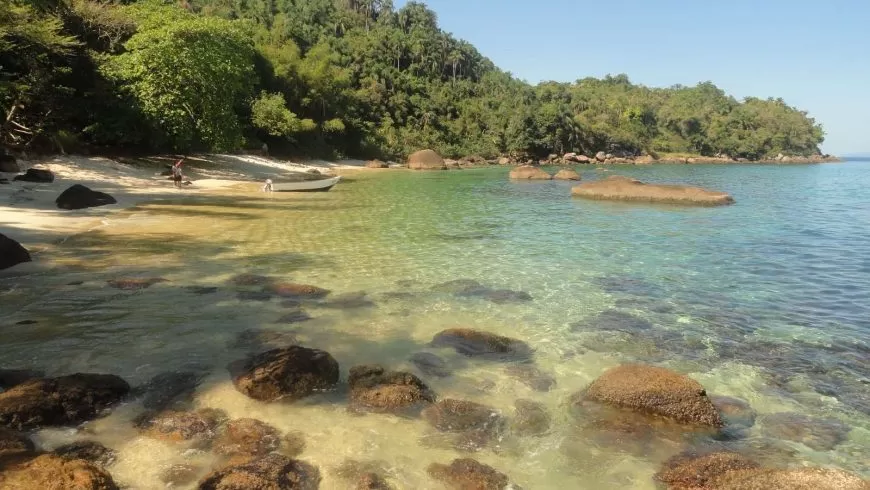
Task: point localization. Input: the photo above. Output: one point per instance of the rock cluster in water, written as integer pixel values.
(626, 189)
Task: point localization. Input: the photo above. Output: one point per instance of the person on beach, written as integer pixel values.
(268, 186)
(177, 174)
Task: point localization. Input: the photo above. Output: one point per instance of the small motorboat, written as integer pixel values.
(320, 185)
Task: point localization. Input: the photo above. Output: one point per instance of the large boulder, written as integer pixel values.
(248, 437)
(430, 364)
(373, 388)
(476, 343)
(270, 472)
(601, 156)
(60, 401)
(529, 172)
(292, 373)
(625, 189)
(12, 253)
(451, 415)
(80, 197)
(693, 472)
(8, 164)
(51, 472)
(177, 426)
(468, 474)
(790, 479)
(37, 175)
(90, 451)
(820, 434)
(504, 161)
(654, 391)
(567, 174)
(426, 160)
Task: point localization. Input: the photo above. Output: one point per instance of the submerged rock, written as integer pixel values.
(60, 401)
(529, 172)
(451, 415)
(253, 296)
(531, 376)
(14, 444)
(13, 377)
(459, 287)
(298, 316)
(475, 343)
(270, 472)
(426, 160)
(790, 479)
(258, 339)
(430, 364)
(655, 391)
(78, 196)
(469, 288)
(167, 388)
(373, 388)
(614, 320)
(90, 451)
(175, 426)
(348, 301)
(179, 475)
(49, 471)
(250, 280)
(821, 434)
(135, 284)
(737, 414)
(292, 372)
(38, 175)
(531, 418)
(697, 472)
(12, 253)
(371, 481)
(247, 436)
(626, 189)
(293, 290)
(201, 290)
(468, 474)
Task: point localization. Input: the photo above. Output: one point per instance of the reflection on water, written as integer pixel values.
(764, 301)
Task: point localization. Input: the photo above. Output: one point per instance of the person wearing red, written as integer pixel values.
(177, 174)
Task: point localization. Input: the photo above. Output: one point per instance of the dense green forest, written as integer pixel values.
(333, 77)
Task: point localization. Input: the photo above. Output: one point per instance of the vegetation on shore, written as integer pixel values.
(334, 77)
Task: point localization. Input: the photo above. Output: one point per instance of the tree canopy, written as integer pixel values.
(330, 77)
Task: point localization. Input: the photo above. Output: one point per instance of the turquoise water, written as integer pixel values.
(765, 300)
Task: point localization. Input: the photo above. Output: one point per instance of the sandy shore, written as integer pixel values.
(29, 215)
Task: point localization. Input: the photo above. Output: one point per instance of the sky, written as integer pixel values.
(813, 54)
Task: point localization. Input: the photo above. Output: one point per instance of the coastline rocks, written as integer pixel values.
(654, 391)
(12, 253)
(601, 156)
(531, 418)
(373, 388)
(53, 472)
(164, 389)
(469, 288)
(790, 479)
(622, 188)
(270, 472)
(820, 434)
(468, 474)
(475, 343)
(567, 174)
(293, 290)
(60, 401)
(451, 415)
(13, 377)
(8, 164)
(426, 160)
(90, 451)
(694, 472)
(292, 372)
(503, 161)
(80, 197)
(737, 414)
(614, 321)
(249, 437)
(528, 172)
(37, 175)
(14, 444)
(430, 364)
(173, 426)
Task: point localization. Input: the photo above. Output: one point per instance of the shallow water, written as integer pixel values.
(765, 300)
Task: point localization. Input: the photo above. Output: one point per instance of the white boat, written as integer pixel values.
(321, 185)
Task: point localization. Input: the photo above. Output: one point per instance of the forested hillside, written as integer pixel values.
(333, 77)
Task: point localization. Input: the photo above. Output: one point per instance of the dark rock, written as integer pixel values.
(60, 401)
(201, 289)
(53, 472)
(174, 426)
(81, 197)
(293, 444)
(373, 388)
(504, 296)
(250, 280)
(12, 377)
(531, 419)
(371, 481)
(258, 339)
(179, 475)
(451, 415)
(695, 472)
(12, 253)
(4, 181)
(270, 472)
(254, 296)
(790, 479)
(821, 434)
(295, 317)
(293, 290)
(14, 444)
(135, 284)
(430, 364)
(8, 164)
(27, 322)
(654, 391)
(90, 451)
(531, 376)
(473, 289)
(737, 414)
(247, 436)
(475, 343)
(36, 175)
(290, 372)
(614, 320)
(468, 474)
(167, 388)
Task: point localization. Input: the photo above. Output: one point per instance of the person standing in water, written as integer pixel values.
(177, 174)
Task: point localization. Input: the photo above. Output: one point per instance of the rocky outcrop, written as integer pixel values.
(625, 189)
(698, 472)
(790, 479)
(601, 156)
(373, 388)
(426, 160)
(14, 444)
(376, 164)
(529, 172)
(504, 161)
(177, 426)
(37, 175)
(430, 364)
(90, 451)
(270, 472)
(12, 253)
(567, 174)
(468, 474)
(476, 343)
(81, 197)
(290, 373)
(60, 401)
(54, 472)
(247, 437)
(820, 434)
(654, 391)
(8, 164)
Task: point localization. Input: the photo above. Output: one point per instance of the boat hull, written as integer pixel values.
(322, 185)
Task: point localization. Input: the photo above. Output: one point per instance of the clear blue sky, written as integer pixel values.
(814, 54)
